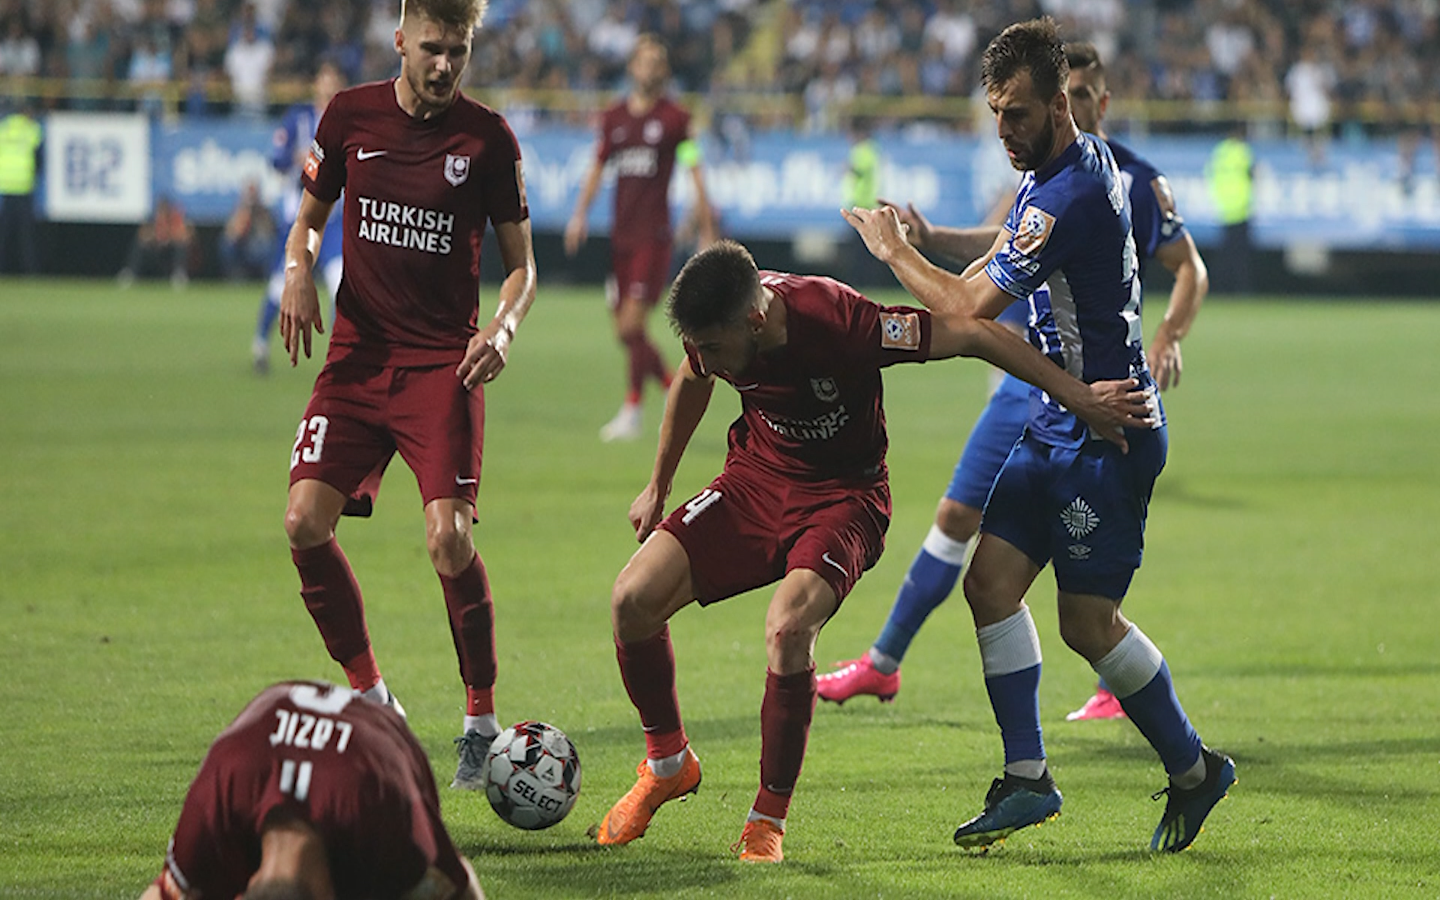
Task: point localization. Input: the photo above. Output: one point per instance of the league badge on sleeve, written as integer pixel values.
(1035, 227)
(313, 160)
(899, 331)
(457, 169)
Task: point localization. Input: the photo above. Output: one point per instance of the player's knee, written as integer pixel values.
(984, 592)
(451, 548)
(305, 527)
(1091, 632)
(958, 521)
(632, 612)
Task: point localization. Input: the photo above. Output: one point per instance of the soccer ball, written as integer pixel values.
(532, 775)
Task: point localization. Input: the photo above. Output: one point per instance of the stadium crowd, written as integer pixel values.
(1320, 62)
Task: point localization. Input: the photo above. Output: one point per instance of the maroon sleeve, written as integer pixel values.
(882, 336)
(324, 173)
(503, 181)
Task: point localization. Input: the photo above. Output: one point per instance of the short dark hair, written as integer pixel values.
(717, 286)
(1032, 46)
(276, 889)
(1083, 55)
(464, 15)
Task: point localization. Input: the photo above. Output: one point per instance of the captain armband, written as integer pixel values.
(687, 153)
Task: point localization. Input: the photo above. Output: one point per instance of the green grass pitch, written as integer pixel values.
(146, 593)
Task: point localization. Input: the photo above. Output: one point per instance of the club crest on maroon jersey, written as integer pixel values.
(457, 169)
(825, 389)
(654, 130)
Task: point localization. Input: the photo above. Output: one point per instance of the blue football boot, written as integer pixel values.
(1012, 803)
(1185, 811)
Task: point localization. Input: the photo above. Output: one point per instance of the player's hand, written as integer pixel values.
(1113, 406)
(575, 232)
(299, 311)
(647, 511)
(485, 355)
(881, 229)
(1165, 362)
(911, 218)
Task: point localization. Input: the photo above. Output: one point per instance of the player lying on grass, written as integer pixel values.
(803, 500)
(313, 794)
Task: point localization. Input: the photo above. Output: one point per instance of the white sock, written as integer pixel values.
(486, 724)
(377, 693)
(1026, 768)
(668, 766)
(884, 663)
(755, 816)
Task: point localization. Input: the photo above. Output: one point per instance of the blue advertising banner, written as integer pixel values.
(784, 186)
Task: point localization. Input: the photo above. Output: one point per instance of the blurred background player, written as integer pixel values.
(287, 156)
(313, 793)
(1159, 234)
(803, 500)
(642, 136)
(423, 169)
(1064, 498)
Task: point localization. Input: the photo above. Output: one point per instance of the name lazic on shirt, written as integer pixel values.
(820, 429)
(400, 225)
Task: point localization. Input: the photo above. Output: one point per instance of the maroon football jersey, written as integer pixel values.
(349, 767)
(418, 194)
(641, 152)
(813, 408)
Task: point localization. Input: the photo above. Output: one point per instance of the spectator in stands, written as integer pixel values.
(163, 240)
(247, 61)
(19, 51)
(89, 58)
(247, 243)
(1309, 83)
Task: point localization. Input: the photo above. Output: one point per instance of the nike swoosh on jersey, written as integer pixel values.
(747, 387)
(361, 155)
(826, 556)
(464, 481)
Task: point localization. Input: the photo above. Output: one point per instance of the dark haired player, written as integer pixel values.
(423, 169)
(804, 499)
(642, 136)
(1062, 496)
(1159, 234)
(313, 793)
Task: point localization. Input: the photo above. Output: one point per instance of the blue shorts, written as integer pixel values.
(990, 443)
(1084, 509)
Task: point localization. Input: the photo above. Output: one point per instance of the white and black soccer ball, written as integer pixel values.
(532, 775)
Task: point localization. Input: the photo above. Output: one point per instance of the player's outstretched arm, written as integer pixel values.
(299, 305)
(685, 406)
(489, 349)
(1192, 283)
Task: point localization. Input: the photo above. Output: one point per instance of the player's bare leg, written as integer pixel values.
(802, 604)
(463, 579)
(652, 587)
(328, 586)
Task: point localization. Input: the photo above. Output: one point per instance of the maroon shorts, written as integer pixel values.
(641, 271)
(750, 528)
(360, 415)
